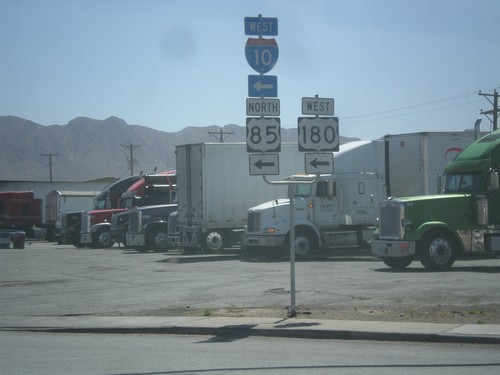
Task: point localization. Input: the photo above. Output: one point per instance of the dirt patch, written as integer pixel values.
(474, 314)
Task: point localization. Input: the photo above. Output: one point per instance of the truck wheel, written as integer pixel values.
(214, 242)
(102, 239)
(157, 239)
(398, 263)
(305, 245)
(437, 251)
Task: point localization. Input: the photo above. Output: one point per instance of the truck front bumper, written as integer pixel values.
(392, 248)
(85, 238)
(135, 239)
(249, 240)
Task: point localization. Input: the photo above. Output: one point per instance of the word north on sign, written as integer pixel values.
(263, 107)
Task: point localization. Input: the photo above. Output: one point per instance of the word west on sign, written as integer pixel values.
(261, 26)
(317, 106)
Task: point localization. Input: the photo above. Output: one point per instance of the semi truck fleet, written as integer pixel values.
(436, 229)
(149, 189)
(341, 208)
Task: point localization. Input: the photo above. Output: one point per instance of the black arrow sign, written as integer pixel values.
(260, 164)
(315, 163)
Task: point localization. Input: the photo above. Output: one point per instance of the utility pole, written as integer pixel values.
(49, 155)
(495, 110)
(220, 135)
(131, 148)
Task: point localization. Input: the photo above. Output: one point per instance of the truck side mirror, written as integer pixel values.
(493, 180)
(330, 189)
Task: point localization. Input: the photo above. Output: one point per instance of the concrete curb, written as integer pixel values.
(270, 327)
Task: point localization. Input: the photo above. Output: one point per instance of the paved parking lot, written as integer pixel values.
(50, 279)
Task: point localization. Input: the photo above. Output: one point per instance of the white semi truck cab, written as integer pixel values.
(331, 211)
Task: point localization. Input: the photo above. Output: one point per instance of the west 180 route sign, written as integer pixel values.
(318, 134)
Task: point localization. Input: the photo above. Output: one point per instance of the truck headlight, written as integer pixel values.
(270, 230)
(406, 223)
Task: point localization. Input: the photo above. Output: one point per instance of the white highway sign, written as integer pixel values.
(319, 163)
(263, 134)
(318, 134)
(263, 107)
(264, 164)
(317, 106)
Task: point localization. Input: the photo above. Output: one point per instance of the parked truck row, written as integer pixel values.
(211, 201)
(340, 209)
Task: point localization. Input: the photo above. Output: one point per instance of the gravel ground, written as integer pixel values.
(475, 314)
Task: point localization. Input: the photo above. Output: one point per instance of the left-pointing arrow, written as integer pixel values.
(316, 163)
(259, 86)
(261, 164)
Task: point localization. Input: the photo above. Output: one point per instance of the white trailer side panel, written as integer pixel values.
(415, 160)
(215, 188)
(58, 202)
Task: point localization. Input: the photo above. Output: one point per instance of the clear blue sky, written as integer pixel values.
(392, 66)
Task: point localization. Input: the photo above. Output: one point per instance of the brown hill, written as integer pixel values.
(87, 149)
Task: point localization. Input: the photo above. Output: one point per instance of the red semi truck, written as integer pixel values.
(148, 189)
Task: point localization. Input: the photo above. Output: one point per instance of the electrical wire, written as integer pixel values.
(375, 116)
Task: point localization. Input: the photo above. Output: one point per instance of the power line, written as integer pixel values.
(424, 104)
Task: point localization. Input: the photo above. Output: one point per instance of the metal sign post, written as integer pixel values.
(292, 311)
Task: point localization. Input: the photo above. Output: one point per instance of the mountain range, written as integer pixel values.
(87, 149)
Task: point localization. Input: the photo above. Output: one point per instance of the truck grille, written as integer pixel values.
(85, 222)
(135, 222)
(172, 223)
(253, 222)
(390, 221)
(114, 222)
(69, 220)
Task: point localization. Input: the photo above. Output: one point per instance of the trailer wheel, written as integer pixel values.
(215, 241)
(102, 239)
(437, 250)
(157, 239)
(398, 263)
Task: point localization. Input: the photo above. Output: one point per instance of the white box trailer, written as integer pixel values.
(58, 202)
(215, 191)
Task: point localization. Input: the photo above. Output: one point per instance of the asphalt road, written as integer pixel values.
(50, 279)
(41, 353)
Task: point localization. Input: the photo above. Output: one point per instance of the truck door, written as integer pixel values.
(326, 206)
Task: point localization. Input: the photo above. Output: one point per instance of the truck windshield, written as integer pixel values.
(463, 183)
(303, 190)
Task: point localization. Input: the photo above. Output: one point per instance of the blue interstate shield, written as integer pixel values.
(262, 54)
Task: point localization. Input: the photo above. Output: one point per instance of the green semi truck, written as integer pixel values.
(436, 229)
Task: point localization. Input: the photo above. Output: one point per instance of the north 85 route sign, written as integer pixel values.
(263, 134)
(318, 134)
